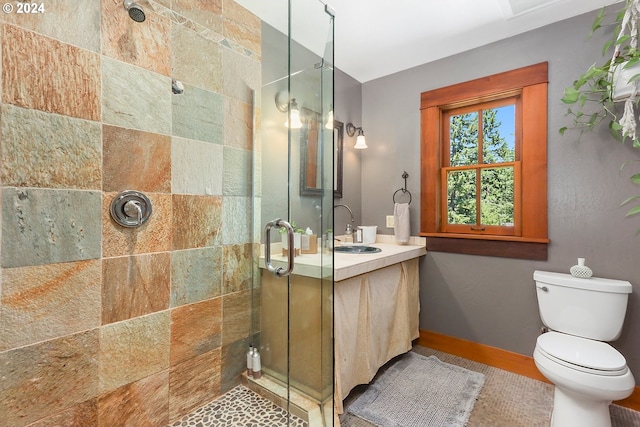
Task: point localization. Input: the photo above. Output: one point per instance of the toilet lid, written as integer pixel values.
(579, 351)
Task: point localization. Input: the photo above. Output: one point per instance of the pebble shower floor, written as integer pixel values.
(239, 407)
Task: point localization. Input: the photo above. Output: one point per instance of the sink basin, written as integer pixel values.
(356, 249)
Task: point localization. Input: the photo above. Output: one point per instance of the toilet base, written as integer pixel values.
(572, 409)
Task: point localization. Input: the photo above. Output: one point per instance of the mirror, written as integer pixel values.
(311, 154)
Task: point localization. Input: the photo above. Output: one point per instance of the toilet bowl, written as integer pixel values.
(585, 385)
(587, 372)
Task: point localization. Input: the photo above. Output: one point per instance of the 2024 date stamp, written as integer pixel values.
(23, 7)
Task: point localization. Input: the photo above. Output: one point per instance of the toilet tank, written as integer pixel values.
(591, 308)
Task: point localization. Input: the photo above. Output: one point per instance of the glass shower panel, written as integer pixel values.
(293, 169)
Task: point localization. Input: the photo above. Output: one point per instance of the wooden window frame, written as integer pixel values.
(530, 83)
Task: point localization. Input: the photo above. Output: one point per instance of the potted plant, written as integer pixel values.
(598, 94)
(297, 233)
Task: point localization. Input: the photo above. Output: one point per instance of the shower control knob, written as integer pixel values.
(130, 208)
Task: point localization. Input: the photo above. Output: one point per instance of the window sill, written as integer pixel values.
(498, 246)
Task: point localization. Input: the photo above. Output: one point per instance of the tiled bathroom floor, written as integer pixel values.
(506, 400)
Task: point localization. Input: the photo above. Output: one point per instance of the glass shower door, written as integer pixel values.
(294, 160)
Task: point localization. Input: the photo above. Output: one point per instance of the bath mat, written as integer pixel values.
(420, 391)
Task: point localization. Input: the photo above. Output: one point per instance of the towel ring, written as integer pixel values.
(404, 192)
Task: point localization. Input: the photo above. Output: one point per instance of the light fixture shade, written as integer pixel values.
(329, 124)
(294, 115)
(361, 143)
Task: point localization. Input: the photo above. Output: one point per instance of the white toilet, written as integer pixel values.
(587, 372)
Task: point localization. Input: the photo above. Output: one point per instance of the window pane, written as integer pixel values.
(461, 197)
(463, 139)
(499, 134)
(496, 202)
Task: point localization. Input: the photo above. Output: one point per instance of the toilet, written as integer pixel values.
(588, 374)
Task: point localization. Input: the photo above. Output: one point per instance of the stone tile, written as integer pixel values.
(237, 271)
(195, 329)
(193, 383)
(195, 275)
(234, 363)
(81, 415)
(188, 48)
(44, 302)
(238, 124)
(204, 12)
(133, 349)
(152, 236)
(237, 172)
(242, 27)
(236, 310)
(49, 150)
(136, 160)
(196, 222)
(40, 379)
(237, 220)
(133, 286)
(135, 98)
(197, 114)
(45, 74)
(49, 226)
(240, 76)
(144, 403)
(196, 167)
(146, 45)
(81, 18)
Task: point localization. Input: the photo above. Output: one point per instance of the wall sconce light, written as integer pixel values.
(329, 124)
(361, 143)
(284, 105)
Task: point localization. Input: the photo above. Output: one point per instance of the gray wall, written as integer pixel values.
(492, 300)
(348, 108)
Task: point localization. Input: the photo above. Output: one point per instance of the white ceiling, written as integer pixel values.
(375, 38)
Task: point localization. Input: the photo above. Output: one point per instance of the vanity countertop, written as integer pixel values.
(347, 265)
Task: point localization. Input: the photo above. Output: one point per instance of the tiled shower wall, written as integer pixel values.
(102, 325)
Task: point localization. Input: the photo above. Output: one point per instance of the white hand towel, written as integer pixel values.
(401, 225)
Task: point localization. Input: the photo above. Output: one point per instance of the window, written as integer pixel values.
(483, 161)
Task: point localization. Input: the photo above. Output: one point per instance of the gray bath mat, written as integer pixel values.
(419, 391)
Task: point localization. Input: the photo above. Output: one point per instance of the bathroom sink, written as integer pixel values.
(356, 249)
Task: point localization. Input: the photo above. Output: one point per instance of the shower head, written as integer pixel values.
(135, 11)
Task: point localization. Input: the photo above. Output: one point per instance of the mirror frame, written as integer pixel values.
(311, 118)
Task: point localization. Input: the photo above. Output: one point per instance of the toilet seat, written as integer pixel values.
(585, 355)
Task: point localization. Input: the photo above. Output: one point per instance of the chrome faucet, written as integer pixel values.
(349, 229)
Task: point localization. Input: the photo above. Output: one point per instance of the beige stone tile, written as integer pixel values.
(49, 150)
(133, 97)
(193, 383)
(195, 329)
(196, 221)
(242, 27)
(153, 236)
(81, 415)
(188, 48)
(195, 275)
(238, 124)
(237, 272)
(196, 167)
(236, 321)
(45, 74)
(204, 12)
(144, 44)
(136, 285)
(136, 160)
(40, 379)
(144, 403)
(241, 76)
(48, 301)
(80, 19)
(133, 349)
